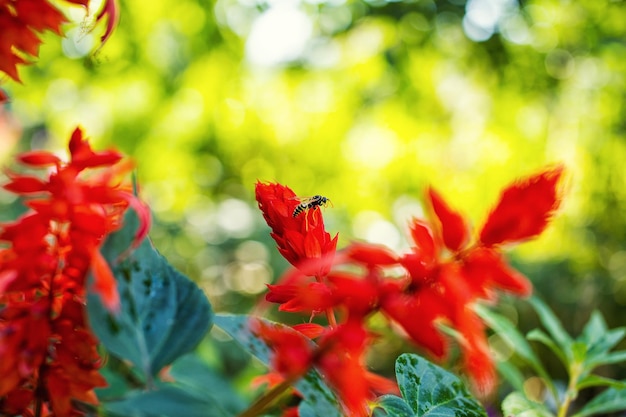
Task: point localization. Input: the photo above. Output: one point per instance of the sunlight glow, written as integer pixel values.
(483, 17)
(279, 35)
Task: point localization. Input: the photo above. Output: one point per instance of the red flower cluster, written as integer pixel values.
(443, 275)
(48, 353)
(21, 20)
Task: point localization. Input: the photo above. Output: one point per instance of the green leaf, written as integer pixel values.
(395, 406)
(552, 324)
(195, 375)
(168, 401)
(595, 329)
(599, 381)
(512, 374)
(611, 358)
(428, 390)
(516, 404)
(609, 401)
(579, 352)
(318, 398)
(163, 313)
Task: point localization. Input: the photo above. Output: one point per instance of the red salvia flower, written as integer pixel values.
(301, 239)
(49, 355)
(448, 273)
(444, 274)
(22, 20)
(338, 357)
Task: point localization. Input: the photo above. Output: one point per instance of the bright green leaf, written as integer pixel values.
(428, 390)
(599, 381)
(611, 358)
(579, 351)
(516, 404)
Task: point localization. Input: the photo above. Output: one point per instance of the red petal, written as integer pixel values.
(310, 330)
(359, 296)
(143, 214)
(8, 65)
(423, 237)
(420, 270)
(39, 159)
(371, 254)
(39, 15)
(111, 9)
(477, 359)
(417, 314)
(487, 268)
(104, 282)
(6, 278)
(25, 185)
(524, 209)
(293, 352)
(454, 230)
(84, 157)
(280, 294)
(4, 97)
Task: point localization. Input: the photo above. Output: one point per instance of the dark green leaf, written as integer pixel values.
(195, 375)
(163, 313)
(552, 324)
(609, 401)
(318, 399)
(429, 390)
(168, 401)
(515, 340)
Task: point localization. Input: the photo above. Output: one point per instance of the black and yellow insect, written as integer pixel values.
(308, 203)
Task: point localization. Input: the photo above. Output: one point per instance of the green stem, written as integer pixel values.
(262, 403)
(571, 393)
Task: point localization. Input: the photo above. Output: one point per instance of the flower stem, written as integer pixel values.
(263, 402)
(571, 393)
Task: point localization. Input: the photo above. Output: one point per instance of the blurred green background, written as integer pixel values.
(365, 102)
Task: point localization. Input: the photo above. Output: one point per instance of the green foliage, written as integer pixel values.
(163, 316)
(580, 357)
(428, 391)
(168, 401)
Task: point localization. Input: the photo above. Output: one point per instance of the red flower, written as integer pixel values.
(301, 239)
(444, 274)
(524, 209)
(22, 20)
(293, 352)
(338, 357)
(448, 273)
(46, 347)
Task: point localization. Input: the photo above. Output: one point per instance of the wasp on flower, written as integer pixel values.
(310, 203)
